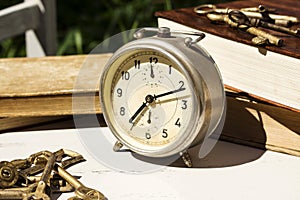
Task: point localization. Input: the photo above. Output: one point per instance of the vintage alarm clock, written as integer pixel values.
(162, 94)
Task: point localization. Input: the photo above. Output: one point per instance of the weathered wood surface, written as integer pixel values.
(37, 19)
(42, 40)
(229, 172)
(15, 20)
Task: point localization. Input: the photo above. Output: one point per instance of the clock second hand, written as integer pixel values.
(149, 99)
(149, 117)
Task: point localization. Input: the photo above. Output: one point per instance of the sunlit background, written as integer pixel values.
(81, 25)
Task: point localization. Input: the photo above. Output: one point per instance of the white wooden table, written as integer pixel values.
(230, 172)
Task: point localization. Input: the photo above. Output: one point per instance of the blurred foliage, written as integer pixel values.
(82, 25)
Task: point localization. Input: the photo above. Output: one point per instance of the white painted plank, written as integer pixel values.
(16, 19)
(269, 175)
(43, 40)
(35, 18)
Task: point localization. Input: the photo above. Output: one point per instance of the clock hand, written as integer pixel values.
(168, 93)
(152, 73)
(140, 109)
(149, 117)
(149, 99)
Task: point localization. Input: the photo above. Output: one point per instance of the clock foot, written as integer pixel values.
(186, 158)
(118, 145)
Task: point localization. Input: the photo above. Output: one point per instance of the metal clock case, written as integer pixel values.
(161, 95)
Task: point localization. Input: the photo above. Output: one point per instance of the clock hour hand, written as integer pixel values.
(149, 99)
(168, 93)
(140, 109)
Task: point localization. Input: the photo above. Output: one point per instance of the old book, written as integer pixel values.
(48, 76)
(34, 87)
(38, 90)
(14, 123)
(261, 125)
(268, 72)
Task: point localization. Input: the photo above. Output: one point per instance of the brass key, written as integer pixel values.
(39, 192)
(261, 38)
(260, 23)
(74, 158)
(267, 13)
(241, 21)
(21, 180)
(8, 174)
(81, 191)
(17, 193)
(12, 194)
(249, 12)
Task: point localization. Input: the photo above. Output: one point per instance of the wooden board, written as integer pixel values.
(229, 172)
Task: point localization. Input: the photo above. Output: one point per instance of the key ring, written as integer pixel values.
(210, 8)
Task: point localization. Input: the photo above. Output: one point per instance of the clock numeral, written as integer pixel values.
(181, 83)
(148, 136)
(119, 92)
(177, 123)
(122, 111)
(165, 133)
(184, 104)
(125, 75)
(153, 59)
(137, 64)
(170, 69)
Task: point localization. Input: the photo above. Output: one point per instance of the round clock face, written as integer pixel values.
(149, 100)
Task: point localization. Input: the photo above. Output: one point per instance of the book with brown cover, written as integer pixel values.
(269, 73)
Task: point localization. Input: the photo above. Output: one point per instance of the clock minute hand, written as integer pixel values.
(168, 93)
(152, 72)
